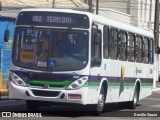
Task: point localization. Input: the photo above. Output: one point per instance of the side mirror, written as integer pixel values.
(6, 35)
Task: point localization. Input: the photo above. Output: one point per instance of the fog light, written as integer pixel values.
(19, 82)
(79, 82)
(74, 96)
(15, 77)
(74, 85)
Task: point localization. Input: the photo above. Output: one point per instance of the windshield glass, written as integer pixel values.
(50, 49)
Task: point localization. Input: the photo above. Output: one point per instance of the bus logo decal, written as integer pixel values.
(122, 73)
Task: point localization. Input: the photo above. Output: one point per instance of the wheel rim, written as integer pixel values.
(135, 99)
(100, 104)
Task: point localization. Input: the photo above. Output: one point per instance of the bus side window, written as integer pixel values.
(123, 45)
(96, 47)
(139, 49)
(131, 44)
(113, 43)
(145, 50)
(105, 41)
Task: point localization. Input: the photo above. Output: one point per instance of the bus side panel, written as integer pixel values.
(126, 74)
(145, 92)
(109, 71)
(145, 76)
(92, 96)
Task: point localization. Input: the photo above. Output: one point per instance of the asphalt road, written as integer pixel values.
(148, 106)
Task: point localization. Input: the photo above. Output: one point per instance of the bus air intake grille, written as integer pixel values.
(40, 85)
(45, 93)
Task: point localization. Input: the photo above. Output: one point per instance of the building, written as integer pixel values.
(5, 50)
(141, 12)
(19, 4)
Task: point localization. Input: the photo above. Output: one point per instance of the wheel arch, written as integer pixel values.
(104, 83)
(138, 82)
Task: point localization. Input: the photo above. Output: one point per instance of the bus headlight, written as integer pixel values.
(78, 83)
(16, 79)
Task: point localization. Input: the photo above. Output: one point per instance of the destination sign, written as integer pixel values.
(54, 19)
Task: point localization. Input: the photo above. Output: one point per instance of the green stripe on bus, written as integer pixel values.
(68, 82)
(146, 84)
(113, 84)
(91, 84)
(65, 83)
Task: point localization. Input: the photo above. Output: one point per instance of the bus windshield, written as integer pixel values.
(50, 49)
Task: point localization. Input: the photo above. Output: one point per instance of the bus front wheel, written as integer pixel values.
(101, 102)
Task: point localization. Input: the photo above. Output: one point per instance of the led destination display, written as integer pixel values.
(54, 19)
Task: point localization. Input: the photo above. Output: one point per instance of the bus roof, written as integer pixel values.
(100, 19)
(113, 23)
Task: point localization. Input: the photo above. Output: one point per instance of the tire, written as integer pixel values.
(32, 105)
(133, 103)
(100, 103)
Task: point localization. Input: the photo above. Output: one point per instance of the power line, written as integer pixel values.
(74, 3)
(47, 3)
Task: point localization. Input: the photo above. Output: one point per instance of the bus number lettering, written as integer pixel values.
(37, 18)
(52, 19)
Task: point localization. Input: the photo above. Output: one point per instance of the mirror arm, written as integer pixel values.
(6, 35)
(158, 50)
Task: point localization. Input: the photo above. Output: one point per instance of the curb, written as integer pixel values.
(156, 89)
(5, 103)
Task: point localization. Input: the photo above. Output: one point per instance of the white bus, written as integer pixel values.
(75, 57)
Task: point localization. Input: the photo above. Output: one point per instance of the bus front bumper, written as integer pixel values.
(78, 96)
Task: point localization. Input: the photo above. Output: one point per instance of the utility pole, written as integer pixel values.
(156, 38)
(90, 5)
(97, 6)
(156, 25)
(53, 3)
(0, 5)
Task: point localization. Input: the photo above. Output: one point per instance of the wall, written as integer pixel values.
(5, 48)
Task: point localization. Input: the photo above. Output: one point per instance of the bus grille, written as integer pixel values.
(45, 93)
(40, 85)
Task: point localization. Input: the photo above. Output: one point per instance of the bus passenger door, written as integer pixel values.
(96, 60)
(96, 52)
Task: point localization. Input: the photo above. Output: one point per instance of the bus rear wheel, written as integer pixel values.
(133, 103)
(32, 105)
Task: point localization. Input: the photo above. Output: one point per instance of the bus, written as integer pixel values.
(68, 56)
